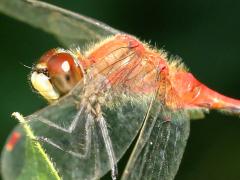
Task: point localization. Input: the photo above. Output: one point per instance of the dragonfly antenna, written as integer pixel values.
(29, 67)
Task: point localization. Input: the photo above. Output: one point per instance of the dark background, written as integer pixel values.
(206, 34)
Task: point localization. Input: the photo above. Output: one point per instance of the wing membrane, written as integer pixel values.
(160, 146)
(162, 140)
(70, 28)
(84, 155)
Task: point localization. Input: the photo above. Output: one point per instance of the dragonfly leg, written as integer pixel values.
(66, 149)
(69, 129)
(57, 146)
(108, 146)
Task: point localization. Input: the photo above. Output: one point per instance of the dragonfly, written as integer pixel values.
(104, 96)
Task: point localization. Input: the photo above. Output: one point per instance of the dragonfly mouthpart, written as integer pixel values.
(41, 83)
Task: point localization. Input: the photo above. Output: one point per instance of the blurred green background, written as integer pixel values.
(206, 34)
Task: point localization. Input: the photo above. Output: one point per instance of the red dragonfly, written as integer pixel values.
(103, 96)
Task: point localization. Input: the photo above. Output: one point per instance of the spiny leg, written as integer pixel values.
(88, 124)
(69, 129)
(108, 146)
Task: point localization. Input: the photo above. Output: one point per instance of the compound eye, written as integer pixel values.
(46, 56)
(64, 72)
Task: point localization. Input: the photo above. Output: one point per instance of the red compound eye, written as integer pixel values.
(63, 71)
(46, 56)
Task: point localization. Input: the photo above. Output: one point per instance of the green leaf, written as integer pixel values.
(32, 161)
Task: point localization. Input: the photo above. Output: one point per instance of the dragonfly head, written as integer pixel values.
(56, 73)
(194, 94)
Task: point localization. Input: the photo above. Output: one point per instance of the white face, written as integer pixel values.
(42, 84)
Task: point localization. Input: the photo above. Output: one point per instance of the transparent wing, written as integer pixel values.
(84, 155)
(69, 27)
(160, 145)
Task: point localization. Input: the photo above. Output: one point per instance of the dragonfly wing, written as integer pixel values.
(160, 145)
(85, 155)
(69, 27)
